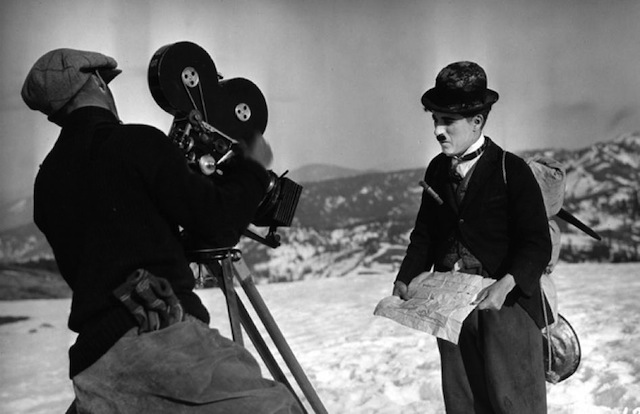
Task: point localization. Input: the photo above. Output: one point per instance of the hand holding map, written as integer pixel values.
(438, 303)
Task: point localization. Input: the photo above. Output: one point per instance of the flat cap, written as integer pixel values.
(58, 75)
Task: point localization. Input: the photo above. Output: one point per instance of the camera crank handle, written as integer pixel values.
(236, 148)
(227, 156)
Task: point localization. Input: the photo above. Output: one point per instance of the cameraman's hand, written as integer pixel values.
(260, 151)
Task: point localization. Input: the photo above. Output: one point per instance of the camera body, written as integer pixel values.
(207, 149)
(215, 121)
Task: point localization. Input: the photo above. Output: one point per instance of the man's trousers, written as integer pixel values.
(497, 366)
(184, 368)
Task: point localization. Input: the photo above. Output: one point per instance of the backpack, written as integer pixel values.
(561, 346)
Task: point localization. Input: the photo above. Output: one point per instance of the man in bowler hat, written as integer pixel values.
(483, 226)
(110, 198)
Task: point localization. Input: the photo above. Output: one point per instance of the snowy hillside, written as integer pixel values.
(603, 190)
(366, 219)
(321, 172)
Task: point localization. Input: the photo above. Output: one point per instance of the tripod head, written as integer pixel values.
(209, 262)
(209, 255)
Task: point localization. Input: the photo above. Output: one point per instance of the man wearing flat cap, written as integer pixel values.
(111, 199)
(485, 225)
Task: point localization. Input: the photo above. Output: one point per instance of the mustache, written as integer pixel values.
(441, 138)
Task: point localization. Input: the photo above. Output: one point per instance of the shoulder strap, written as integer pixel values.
(504, 167)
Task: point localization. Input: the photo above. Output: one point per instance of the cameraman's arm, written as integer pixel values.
(260, 151)
(216, 211)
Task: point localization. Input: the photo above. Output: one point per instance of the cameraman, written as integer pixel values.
(110, 199)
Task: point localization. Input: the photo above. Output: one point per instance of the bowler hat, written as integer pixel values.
(461, 88)
(58, 75)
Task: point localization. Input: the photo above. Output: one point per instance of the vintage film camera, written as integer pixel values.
(215, 120)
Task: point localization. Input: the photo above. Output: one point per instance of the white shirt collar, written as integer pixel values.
(479, 142)
(464, 167)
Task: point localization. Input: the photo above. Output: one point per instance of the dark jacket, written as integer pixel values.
(110, 199)
(506, 229)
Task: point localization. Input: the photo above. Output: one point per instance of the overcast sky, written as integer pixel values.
(343, 79)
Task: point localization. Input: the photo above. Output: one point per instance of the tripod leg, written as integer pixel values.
(232, 300)
(238, 315)
(280, 342)
(263, 350)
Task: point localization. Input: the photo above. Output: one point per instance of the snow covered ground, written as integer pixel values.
(357, 362)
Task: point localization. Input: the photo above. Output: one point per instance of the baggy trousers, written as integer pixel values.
(497, 366)
(184, 368)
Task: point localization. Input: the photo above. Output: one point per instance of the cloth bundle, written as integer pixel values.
(551, 178)
(151, 301)
(562, 351)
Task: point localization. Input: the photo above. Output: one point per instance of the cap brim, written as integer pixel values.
(429, 101)
(109, 74)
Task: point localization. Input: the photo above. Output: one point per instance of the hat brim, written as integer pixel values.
(430, 102)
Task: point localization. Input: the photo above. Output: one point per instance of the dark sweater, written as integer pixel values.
(110, 199)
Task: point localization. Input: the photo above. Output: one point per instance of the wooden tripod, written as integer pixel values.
(233, 265)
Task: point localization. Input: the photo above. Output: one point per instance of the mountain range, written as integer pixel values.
(321, 172)
(355, 219)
